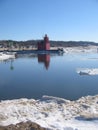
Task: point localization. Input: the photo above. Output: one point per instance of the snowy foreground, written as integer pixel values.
(53, 113)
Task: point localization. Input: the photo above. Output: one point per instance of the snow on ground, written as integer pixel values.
(87, 71)
(51, 112)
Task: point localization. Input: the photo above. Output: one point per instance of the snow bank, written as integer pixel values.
(51, 112)
(87, 71)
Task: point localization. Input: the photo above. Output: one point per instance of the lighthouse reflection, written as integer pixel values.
(44, 58)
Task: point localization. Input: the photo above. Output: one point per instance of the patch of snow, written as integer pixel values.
(52, 112)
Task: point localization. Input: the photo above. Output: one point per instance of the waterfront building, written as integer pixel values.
(45, 44)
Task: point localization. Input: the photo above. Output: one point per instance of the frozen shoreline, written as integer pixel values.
(81, 49)
(52, 112)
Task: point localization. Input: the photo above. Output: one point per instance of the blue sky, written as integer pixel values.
(64, 20)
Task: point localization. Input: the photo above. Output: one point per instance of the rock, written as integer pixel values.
(23, 126)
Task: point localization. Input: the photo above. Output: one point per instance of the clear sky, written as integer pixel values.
(60, 19)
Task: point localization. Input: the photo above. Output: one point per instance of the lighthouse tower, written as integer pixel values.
(45, 44)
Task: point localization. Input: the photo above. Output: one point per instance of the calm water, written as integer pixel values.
(32, 76)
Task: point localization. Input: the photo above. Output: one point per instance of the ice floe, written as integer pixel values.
(52, 112)
(6, 55)
(87, 71)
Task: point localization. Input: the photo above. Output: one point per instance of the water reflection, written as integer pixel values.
(8, 61)
(11, 65)
(41, 58)
(44, 58)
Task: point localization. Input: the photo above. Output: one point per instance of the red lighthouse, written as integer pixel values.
(44, 45)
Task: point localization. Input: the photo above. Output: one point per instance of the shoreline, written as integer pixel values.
(35, 51)
(78, 49)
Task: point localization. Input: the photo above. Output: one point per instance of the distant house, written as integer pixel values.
(45, 44)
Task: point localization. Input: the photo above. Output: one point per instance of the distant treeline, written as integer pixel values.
(33, 43)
